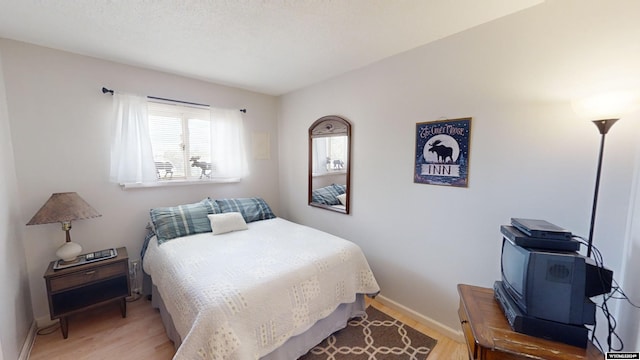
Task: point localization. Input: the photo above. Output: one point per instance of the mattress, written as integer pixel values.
(244, 294)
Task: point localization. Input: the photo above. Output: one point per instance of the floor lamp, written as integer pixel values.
(601, 106)
(603, 126)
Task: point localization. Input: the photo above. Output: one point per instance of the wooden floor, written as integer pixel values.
(445, 349)
(103, 334)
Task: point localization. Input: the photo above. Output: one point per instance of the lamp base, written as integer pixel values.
(69, 252)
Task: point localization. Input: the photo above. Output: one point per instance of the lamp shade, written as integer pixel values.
(63, 207)
(606, 105)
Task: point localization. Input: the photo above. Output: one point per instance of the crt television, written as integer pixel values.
(553, 285)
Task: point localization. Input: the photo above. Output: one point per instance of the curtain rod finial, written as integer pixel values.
(243, 111)
(105, 90)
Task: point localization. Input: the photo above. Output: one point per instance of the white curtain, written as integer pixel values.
(131, 153)
(319, 156)
(228, 144)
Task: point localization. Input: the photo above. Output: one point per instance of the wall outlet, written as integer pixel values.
(135, 265)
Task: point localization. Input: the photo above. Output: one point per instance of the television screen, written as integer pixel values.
(547, 284)
(514, 259)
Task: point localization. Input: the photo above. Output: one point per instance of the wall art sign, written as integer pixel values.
(442, 152)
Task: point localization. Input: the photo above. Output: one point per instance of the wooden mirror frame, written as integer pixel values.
(324, 127)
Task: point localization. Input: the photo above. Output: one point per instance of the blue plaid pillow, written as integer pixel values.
(252, 209)
(326, 195)
(181, 220)
(340, 188)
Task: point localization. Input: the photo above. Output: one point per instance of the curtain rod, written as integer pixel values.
(108, 91)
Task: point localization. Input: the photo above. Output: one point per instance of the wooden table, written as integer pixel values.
(489, 336)
(82, 287)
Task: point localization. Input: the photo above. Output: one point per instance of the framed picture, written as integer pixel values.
(442, 152)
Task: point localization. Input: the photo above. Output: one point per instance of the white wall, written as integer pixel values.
(530, 154)
(16, 314)
(60, 123)
(629, 317)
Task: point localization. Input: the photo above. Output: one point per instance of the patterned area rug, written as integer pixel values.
(376, 336)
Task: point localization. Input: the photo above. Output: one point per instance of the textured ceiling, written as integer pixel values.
(268, 46)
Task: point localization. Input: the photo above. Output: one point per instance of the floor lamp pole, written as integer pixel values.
(603, 127)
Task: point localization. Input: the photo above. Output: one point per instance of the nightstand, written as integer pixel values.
(83, 287)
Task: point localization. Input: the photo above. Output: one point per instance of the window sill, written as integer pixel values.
(170, 183)
(331, 173)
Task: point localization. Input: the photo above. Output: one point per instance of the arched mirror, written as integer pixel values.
(329, 163)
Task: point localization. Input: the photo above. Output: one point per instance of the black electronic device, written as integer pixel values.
(553, 285)
(87, 258)
(540, 229)
(599, 279)
(519, 238)
(576, 335)
(97, 255)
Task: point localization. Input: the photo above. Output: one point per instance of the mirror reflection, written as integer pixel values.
(329, 163)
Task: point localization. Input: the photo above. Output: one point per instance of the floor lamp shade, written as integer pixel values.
(64, 208)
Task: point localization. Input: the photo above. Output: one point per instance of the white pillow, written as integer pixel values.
(227, 222)
(342, 198)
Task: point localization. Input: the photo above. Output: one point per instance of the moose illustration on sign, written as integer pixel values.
(443, 152)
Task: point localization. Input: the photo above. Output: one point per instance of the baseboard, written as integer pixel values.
(28, 342)
(456, 335)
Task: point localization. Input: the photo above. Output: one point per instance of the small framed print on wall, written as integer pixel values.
(442, 152)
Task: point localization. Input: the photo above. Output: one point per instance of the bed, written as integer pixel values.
(233, 281)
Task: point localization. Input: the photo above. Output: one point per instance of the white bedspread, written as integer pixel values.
(241, 295)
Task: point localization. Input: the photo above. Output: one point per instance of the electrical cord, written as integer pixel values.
(616, 293)
(133, 276)
(48, 329)
(134, 297)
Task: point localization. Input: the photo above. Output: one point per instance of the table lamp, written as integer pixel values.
(64, 208)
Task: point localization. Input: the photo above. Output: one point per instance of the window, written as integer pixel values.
(337, 152)
(331, 154)
(159, 143)
(180, 141)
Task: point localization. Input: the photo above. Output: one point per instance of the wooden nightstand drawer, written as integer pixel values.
(87, 276)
